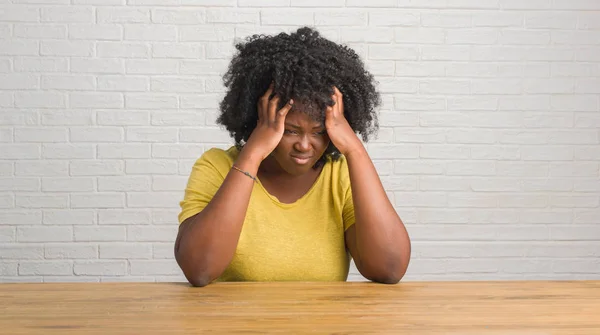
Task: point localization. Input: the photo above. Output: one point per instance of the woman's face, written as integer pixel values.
(304, 141)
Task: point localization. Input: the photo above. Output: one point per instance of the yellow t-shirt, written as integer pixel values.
(302, 241)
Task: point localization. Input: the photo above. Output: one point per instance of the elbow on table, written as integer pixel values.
(201, 280)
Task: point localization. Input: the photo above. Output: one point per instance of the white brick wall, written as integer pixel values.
(489, 146)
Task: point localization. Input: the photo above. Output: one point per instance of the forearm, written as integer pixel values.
(209, 240)
(382, 241)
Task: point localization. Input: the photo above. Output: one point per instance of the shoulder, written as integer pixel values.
(339, 171)
(218, 159)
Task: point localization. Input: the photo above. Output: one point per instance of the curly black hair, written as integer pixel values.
(304, 66)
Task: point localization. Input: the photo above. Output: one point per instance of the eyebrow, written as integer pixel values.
(298, 127)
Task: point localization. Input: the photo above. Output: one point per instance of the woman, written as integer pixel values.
(298, 194)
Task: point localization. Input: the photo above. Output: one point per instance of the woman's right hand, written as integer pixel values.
(269, 129)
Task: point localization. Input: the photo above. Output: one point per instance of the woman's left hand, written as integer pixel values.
(338, 128)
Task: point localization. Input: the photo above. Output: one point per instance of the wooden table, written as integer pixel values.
(532, 307)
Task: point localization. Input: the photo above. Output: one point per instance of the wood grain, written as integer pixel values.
(529, 307)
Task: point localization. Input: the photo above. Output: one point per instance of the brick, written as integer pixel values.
(547, 120)
(203, 67)
(532, 4)
(181, 118)
(123, 15)
(162, 250)
(176, 84)
(496, 185)
(125, 251)
(68, 82)
(108, 49)
(574, 201)
(522, 169)
(387, 151)
(40, 100)
(587, 120)
(19, 81)
(409, 135)
(152, 233)
(154, 267)
(575, 233)
(340, 18)
(122, 118)
(46, 268)
(17, 13)
(99, 234)
(202, 101)
(547, 153)
(258, 3)
(66, 48)
(586, 152)
(99, 32)
(147, 32)
(206, 34)
(497, 153)
(123, 216)
(419, 69)
(19, 151)
(155, 66)
(67, 14)
(179, 16)
(97, 65)
(164, 216)
(128, 150)
(41, 31)
(237, 16)
(124, 83)
(71, 184)
(6, 135)
(170, 183)
(7, 234)
(41, 168)
(545, 216)
(38, 64)
(10, 116)
(421, 167)
(151, 101)
(420, 199)
(470, 136)
(6, 169)
(544, 53)
(40, 135)
(548, 185)
(393, 17)
(97, 134)
(20, 217)
(178, 50)
(154, 166)
(100, 268)
(291, 17)
(586, 186)
(98, 200)
(206, 135)
(438, 183)
(96, 100)
(68, 151)
(69, 217)
(498, 19)
(70, 251)
(219, 50)
(151, 134)
(154, 199)
(14, 251)
(129, 183)
(42, 201)
(5, 65)
(393, 52)
(523, 137)
(586, 216)
(7, 201)
(570, 69)
(44, 234)
(18, 47)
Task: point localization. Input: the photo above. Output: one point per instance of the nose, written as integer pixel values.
(303, 144)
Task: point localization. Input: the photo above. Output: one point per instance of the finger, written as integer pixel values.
(272, 111)
(264, 102)
(281, 114)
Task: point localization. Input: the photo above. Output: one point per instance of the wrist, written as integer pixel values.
(248, 160)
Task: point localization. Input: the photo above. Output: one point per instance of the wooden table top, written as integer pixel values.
(528, 307)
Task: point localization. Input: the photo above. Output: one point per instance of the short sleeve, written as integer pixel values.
(348, 204)
(208, 173)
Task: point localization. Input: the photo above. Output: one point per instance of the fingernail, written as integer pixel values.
(291, 101)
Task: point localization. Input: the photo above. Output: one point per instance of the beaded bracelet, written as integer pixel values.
(244, 172)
